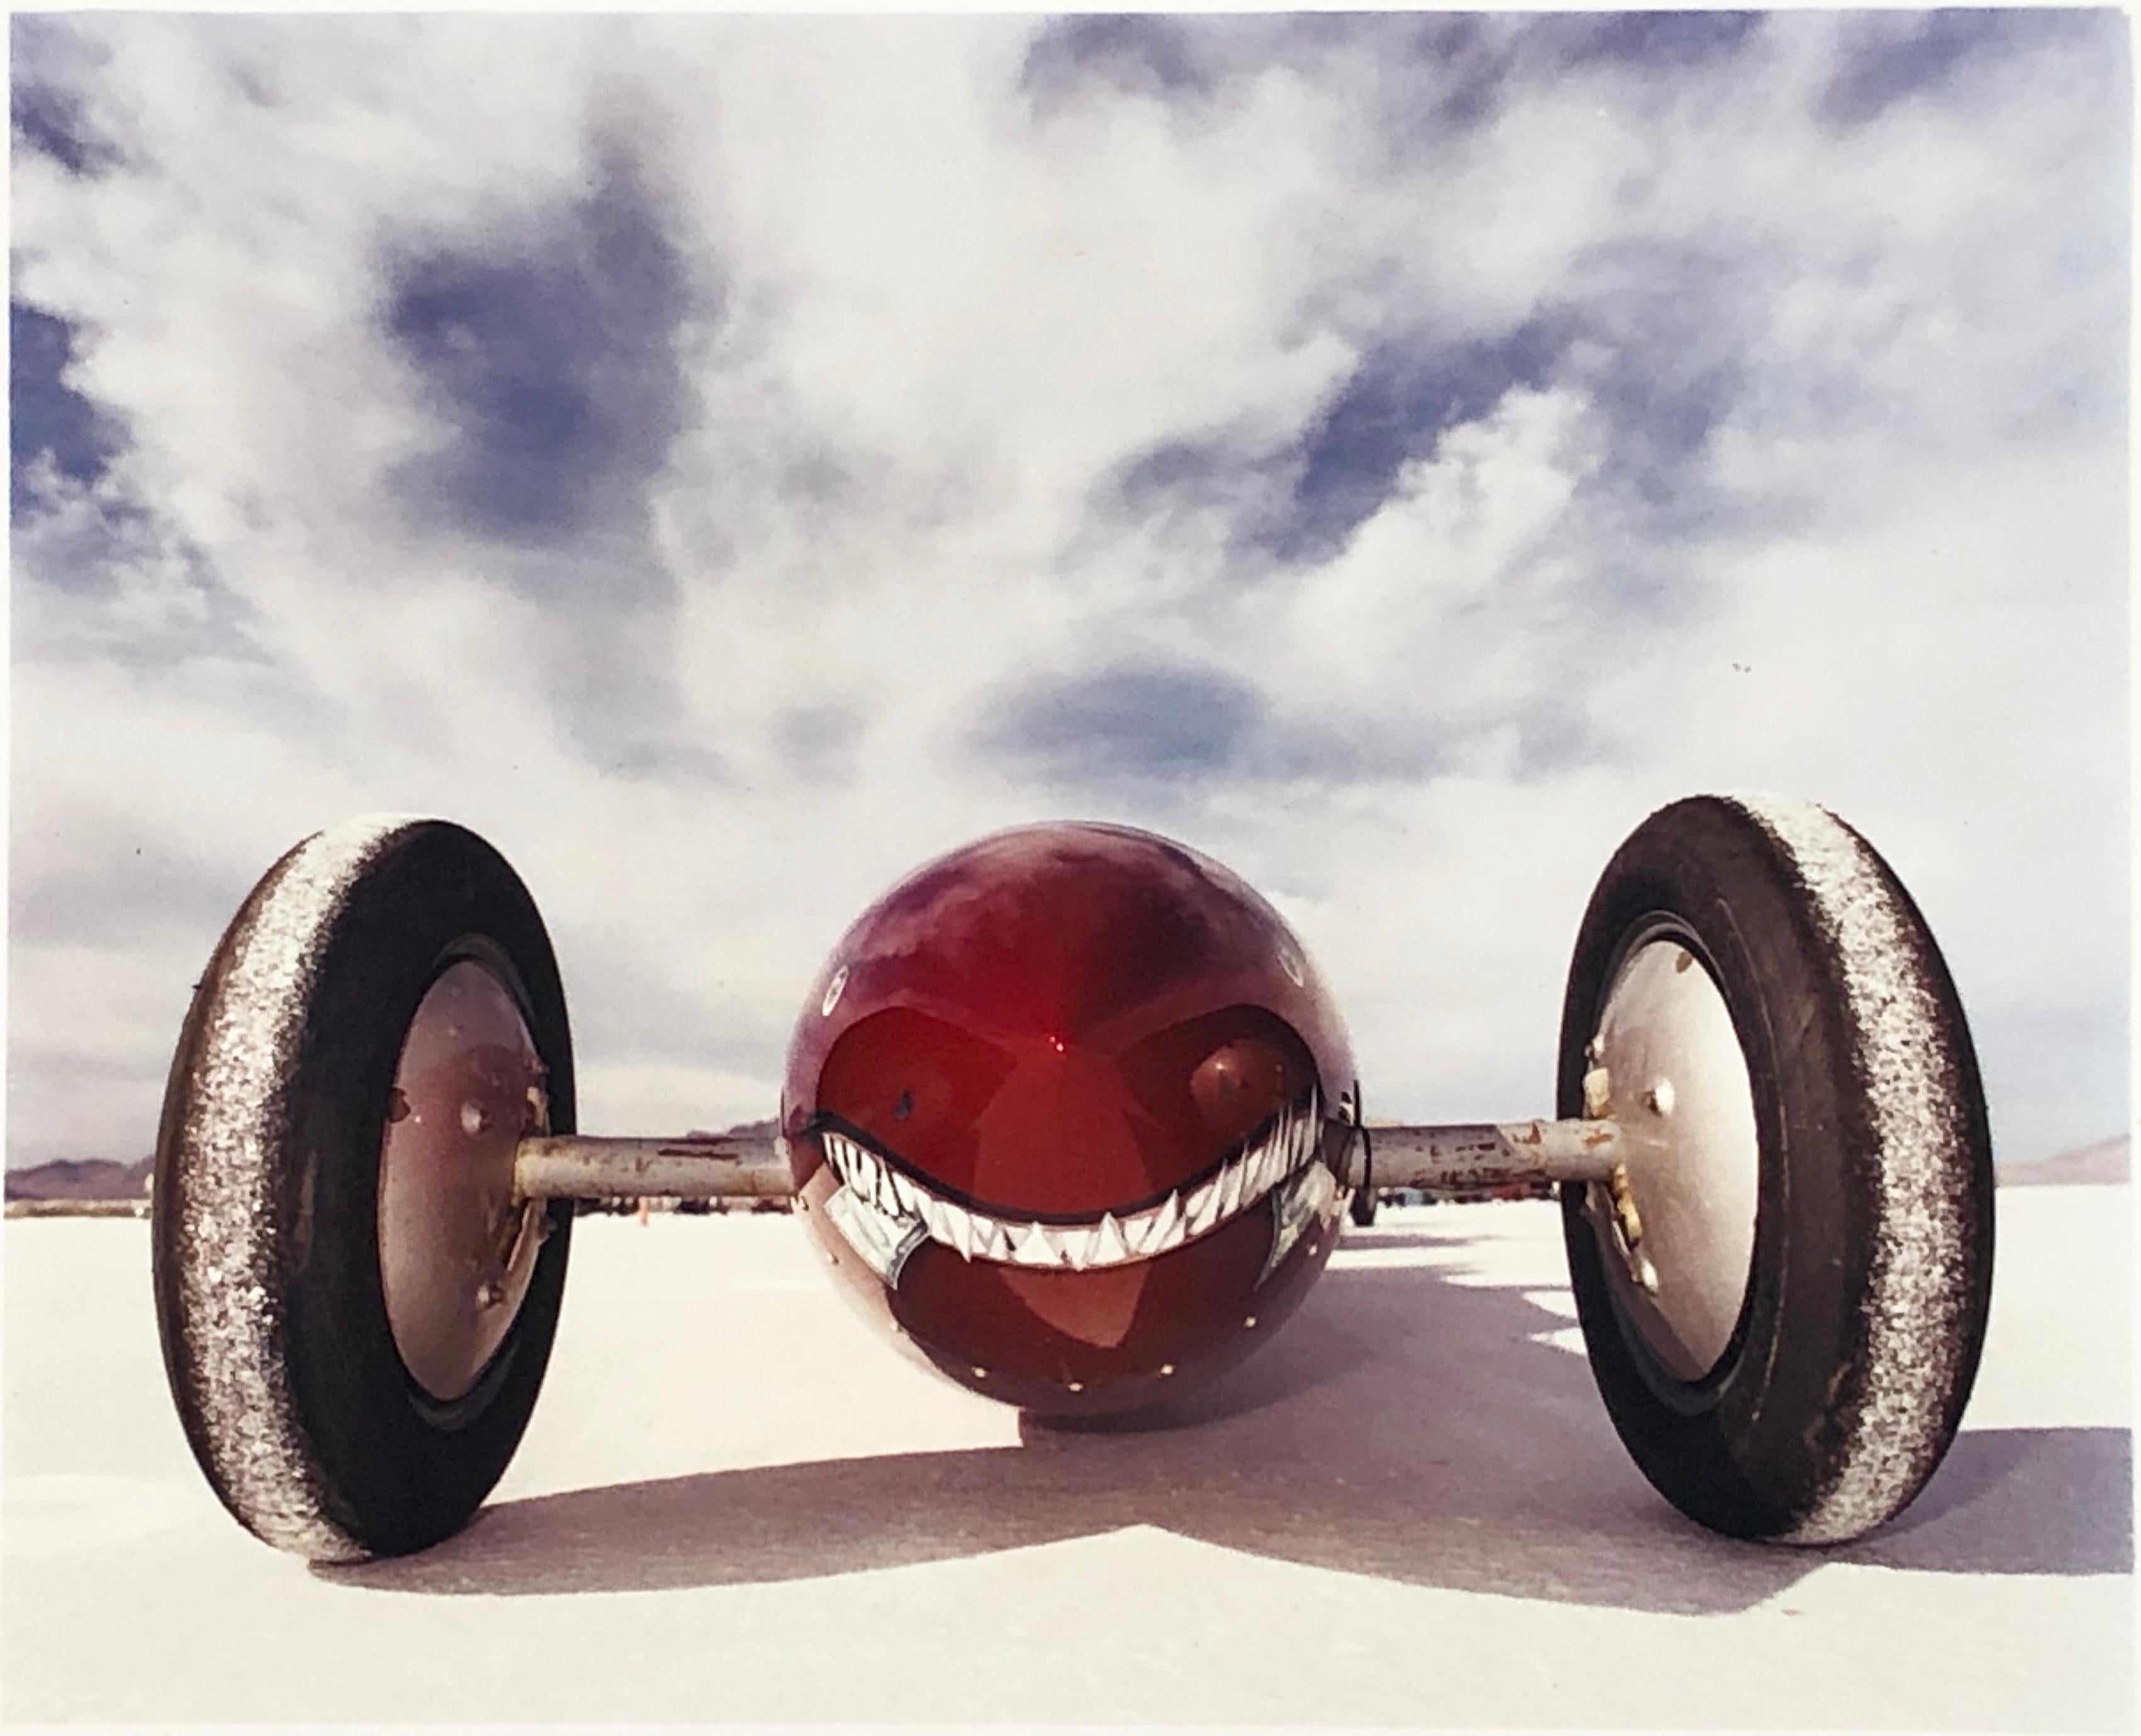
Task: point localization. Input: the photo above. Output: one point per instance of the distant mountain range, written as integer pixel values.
(90, 1178)
(2108, 1161)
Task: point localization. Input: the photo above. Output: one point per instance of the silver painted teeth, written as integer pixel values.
(1111, 1240)
(1155, 1232)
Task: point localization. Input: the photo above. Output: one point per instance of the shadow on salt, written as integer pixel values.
(1412, 1423)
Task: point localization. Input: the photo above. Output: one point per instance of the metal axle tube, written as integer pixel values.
(1479, 1156)
(576, 1167)
(1473, 1157)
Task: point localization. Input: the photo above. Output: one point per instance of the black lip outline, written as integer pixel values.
(827, 1121)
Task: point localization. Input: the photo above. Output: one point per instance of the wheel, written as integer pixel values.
(356, 1312)
(1362, 1208)
(1784, 1291)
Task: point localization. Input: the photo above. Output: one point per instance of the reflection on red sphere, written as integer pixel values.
(1070, 1108)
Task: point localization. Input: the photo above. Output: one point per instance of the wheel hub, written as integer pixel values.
(456, 1246)
(1681, 1212)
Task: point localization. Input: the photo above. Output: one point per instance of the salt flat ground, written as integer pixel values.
(734, 1505)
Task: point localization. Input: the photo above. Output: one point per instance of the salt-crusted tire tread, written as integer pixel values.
(1855, 1351)
(265, 1224)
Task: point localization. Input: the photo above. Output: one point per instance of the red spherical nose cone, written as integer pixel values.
(1071, 1108)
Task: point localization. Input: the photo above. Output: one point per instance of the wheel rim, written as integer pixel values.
(456, 1249)
(1677, 1083)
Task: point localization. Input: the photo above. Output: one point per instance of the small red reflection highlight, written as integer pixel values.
(1056, 1044)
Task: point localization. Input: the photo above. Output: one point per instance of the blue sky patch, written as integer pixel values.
(1906, 54)
(45, 114)
(1136, 720)
(552, 359)
(1400, 400)
(1125, 51)
(1299, 505)
(1656, 42)
(49, 120)
(45, 415)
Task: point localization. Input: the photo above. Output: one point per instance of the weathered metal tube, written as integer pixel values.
(1468, 1157)
(1479, 1157)
(573, 1166)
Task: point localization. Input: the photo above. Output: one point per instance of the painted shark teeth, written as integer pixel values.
(1200, 1211)
(1289, 1145)
(959, 1230)
(1155, 1232)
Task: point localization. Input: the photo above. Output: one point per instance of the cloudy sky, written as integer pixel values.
(727, 462)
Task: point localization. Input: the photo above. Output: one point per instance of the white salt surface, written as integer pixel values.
(734, 1506)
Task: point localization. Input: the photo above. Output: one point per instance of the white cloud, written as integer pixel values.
(1827, 401)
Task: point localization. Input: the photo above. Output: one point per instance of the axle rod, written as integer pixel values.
(1476, 1157)
(1481, 1156)
(575, 1167)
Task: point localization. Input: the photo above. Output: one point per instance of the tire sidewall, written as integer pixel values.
(398, 1468)
(1734, 1449)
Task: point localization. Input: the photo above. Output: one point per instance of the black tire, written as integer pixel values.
(265, 1227)
(1362, 1207)
(1858, 1338)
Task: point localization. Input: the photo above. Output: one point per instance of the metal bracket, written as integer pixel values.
(1612, 1206)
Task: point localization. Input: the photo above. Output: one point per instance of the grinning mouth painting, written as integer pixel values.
(882, 1204)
